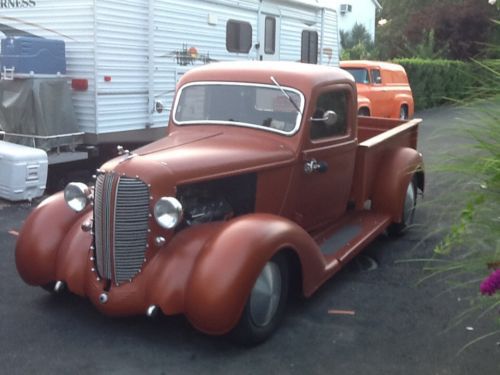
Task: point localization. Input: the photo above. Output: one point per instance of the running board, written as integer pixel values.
(344, 241)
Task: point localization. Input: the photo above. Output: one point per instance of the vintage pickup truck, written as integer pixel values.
(266, 178)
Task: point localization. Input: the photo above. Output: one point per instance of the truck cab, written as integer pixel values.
(264, 179)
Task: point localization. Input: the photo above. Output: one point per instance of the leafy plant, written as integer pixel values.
(469, 253)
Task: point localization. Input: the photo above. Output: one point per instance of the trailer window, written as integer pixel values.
(336, 101)
(309, 49)
(238, 36)
(270, 36)
(256, 106)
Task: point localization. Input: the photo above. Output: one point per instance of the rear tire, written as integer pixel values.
(410, 203)
(364, 112)
(266, 304)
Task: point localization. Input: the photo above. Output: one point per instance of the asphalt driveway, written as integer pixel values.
(371, 318)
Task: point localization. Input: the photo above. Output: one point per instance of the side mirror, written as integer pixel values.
(329, 118)
(378, 80)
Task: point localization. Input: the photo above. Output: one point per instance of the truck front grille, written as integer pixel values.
(121, 214)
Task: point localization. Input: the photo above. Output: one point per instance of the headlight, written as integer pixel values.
(77, 196)
(168, 212)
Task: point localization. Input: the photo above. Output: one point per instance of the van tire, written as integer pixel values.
(363, 112)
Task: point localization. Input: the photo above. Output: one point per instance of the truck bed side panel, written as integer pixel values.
(372, 151)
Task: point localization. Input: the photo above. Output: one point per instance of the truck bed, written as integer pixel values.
(377, 138)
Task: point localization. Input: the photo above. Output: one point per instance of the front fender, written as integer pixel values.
(230, 262)
(364, 102)
(396, 170)
(40, 238)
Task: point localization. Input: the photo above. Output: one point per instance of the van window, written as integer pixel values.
(336, 101)
(238, 36)
(360, 75)
(309, 48)
(270, 36)
(376, 77)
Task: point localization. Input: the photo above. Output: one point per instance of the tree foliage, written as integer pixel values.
(452, 29)
(356, 44)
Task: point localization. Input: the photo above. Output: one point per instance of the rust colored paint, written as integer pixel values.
(39, 240)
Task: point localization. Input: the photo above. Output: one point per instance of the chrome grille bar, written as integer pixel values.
(102, 218)
(131, 227)
(121, 214)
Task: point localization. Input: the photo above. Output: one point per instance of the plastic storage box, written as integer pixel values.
(31, 55)
(23, 172)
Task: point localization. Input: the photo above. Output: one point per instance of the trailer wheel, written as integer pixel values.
(266, 304)
(409, 206)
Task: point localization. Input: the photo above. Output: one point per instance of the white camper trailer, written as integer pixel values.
(124, 57)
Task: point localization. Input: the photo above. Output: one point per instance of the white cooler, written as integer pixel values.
(23, 172)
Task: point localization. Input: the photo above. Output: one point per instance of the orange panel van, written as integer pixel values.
(383, 89)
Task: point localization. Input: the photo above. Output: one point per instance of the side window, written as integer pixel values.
(336, 101)
(376, 78)
(309, 48)
(270, 36)
(238, 36)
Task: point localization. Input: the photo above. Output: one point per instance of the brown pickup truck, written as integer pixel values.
(265, 179)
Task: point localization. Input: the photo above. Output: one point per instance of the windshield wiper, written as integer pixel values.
(288, 96)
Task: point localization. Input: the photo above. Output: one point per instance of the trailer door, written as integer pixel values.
(269, 40)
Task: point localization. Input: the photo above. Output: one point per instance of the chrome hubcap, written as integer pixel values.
(266, 294)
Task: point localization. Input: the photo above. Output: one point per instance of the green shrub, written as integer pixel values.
(435, 82)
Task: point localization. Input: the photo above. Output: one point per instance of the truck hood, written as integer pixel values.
(198, 153)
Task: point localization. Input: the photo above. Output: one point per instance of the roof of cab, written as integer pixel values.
(371, 64)
(292, 74)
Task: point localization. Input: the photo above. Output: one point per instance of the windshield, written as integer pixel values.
(360, 75)
(257, 106)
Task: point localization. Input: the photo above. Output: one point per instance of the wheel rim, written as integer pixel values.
(409, 204)
(266, 294)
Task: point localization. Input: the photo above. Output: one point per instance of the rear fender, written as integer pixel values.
(403, 100)
(396, 170)
(231, 261)
(40, 238)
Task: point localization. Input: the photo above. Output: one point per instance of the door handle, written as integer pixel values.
(313, 165)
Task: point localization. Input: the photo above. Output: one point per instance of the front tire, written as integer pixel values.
(266, 304)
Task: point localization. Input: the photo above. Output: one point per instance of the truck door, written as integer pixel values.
(327, 159)
(269, 41)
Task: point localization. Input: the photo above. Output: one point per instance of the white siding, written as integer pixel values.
(109, 42)
(122, 55)
(363, 12)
